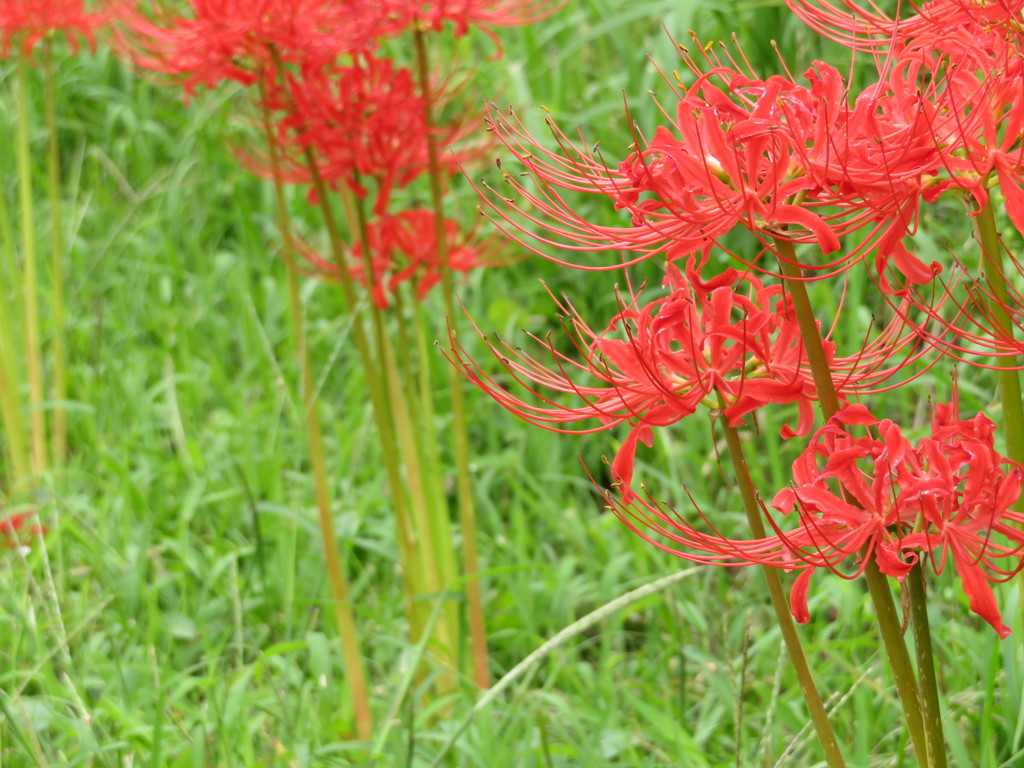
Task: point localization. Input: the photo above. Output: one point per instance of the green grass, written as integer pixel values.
(177, 612)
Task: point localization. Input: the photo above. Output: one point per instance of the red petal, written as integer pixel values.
(798, 596)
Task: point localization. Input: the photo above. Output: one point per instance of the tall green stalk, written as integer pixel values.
(889, 625)
(425, 516)
(1009, 380)
(926, 665)
(383, 416)
(377, 379)
(344, 619)
(12, 401)
(419, 389)
(58, 445)
(460, 430)
(815, 706)
(33, 351)
(429, 513)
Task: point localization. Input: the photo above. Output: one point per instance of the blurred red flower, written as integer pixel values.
(404, 249)
(484, 14)
(241, 39)
(366, 125)
(14, 530)
(29, 21)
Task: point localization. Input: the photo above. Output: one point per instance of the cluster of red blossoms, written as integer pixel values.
(26, 22)
(15, 530)
(949, 496)
(804, 162)
(801, 167)
(342, 112)
(409, 237)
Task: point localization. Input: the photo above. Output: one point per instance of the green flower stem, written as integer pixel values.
(460, 431)
(11, 398)
(815, 706)
(414, 378)
(441, 519)
(429, 515)
(878, 586)
(1009, 380)
(418, 394)
(408, 366)
(376, 374)
(33, 352)
(445, 646)
(343, 616)
(60, 386)
(412, 563)
(926, 666)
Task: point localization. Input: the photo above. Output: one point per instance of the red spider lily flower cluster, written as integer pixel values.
(949, 496)
(485, 14)
(879, 497)
(364, 122)
(797, 163)
(240, 40)
(404, 249)
(29, 21)
(872, 30)
(782, 160)
(731, 348)
(342, 112)
(15, 529)
(963, 64)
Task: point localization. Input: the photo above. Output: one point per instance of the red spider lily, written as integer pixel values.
(32, 20)
(14, 529)
(950, 495)
(365, 122)
(978, 87)
(657, 363)
(973, 86)
(240, 39)
(871, 29)
(955, 317)
(722, 164)
(891, 154)
(404, 248)
(783, 160)
(485, 14)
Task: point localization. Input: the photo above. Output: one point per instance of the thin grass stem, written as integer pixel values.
(559, 639)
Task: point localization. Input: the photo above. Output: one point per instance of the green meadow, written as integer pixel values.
(177, 613)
